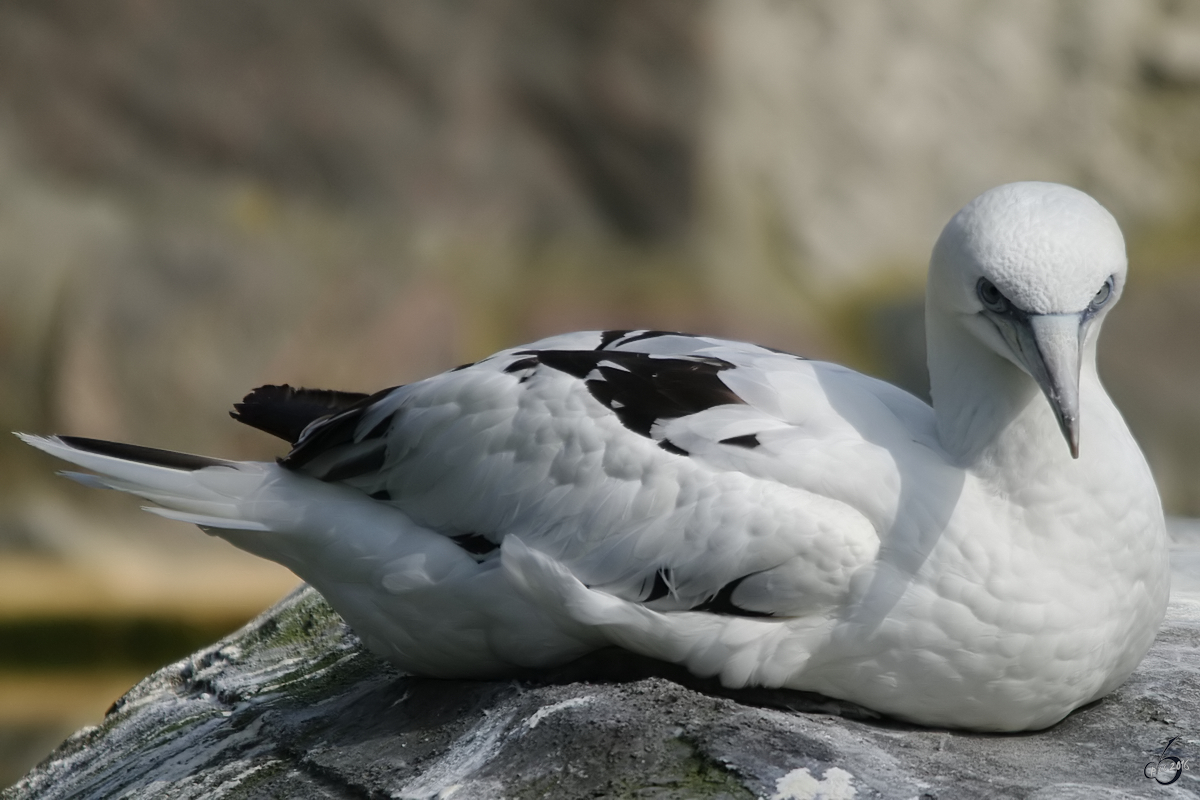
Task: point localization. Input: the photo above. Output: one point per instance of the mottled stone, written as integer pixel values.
(292, 706)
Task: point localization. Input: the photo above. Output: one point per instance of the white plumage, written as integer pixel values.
(745, 512)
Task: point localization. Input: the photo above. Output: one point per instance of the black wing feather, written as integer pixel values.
(337, 430)
(642, 389)
(285, 411)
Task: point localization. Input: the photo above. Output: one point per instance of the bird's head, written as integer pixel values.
(1031, 269)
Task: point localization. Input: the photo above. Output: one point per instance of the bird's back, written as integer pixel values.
(662, 468)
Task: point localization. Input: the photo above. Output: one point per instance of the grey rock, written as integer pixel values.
(293, 706)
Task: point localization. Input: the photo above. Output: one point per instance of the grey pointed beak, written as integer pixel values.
(1054, 361)
(1048, 346)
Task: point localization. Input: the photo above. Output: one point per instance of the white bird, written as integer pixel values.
(745, 512)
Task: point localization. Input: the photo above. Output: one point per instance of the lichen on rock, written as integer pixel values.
(293, 706)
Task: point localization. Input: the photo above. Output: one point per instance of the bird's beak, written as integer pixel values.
(1048, 346)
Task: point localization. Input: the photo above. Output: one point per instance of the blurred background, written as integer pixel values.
(197, 198)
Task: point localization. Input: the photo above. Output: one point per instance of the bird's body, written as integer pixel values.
(745, 512)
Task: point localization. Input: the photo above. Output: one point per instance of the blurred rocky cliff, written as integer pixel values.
(196, 198)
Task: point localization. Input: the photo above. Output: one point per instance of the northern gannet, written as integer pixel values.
(748, 513)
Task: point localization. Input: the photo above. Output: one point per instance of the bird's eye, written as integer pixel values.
(991, 297)
(1102, 296)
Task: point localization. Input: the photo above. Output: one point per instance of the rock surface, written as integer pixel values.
(292, 706)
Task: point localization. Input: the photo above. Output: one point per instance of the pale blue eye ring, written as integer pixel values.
(1102, 296)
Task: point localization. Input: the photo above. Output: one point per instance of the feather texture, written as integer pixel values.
(743, 511)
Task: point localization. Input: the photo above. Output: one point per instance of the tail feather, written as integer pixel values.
(205, 521)
(171, 459)
(182, 482)
(385, 573)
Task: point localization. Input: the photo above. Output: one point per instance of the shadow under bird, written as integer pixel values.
(991, 562)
